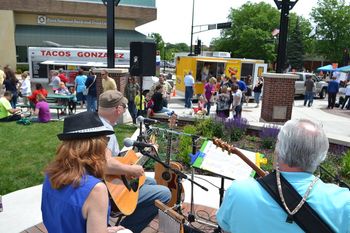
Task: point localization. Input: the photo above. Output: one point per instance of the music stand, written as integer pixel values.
(219, 162)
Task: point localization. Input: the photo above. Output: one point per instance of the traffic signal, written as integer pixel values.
(197, 47)
(223, 25)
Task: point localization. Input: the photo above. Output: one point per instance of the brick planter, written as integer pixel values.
(278, 97)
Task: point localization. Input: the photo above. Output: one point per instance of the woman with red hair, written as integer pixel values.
(74, 198)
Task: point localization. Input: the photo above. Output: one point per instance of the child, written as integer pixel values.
(42, 110)
(72, 103)
(149, 104)
(223, 103)
(140, 110)
(201, 106)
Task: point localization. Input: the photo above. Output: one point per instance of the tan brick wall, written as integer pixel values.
(140, 15)
(278, 92)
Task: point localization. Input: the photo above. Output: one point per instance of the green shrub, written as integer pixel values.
(209, 128)
(236, 128)
(345, 162)
(185, 144)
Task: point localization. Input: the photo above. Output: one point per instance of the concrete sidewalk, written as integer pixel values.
(336, 122)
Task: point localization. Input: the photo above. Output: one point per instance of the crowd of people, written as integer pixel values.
(75, 198)
(228, 93)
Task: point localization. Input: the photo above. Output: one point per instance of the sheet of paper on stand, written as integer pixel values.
(215, 160)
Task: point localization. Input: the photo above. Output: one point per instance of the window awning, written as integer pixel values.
(214, 61)
(81, 63)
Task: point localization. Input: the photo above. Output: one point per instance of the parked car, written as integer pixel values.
(148, 82)
(166, 64)
(321, 86)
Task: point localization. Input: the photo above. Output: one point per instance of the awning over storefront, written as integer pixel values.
(81, 63)
(73, 37)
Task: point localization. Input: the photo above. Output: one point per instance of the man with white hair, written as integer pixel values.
(302, 145)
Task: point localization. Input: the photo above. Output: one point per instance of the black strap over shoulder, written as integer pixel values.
(306, 217)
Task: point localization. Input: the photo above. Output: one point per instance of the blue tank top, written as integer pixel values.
(62, 208)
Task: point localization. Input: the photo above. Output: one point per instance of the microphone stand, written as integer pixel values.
(191, 217)
(180, 175)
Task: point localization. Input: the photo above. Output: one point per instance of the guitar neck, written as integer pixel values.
(224, 145)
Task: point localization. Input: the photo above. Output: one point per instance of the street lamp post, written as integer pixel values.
(285, 6)
(110, 31)
(164, 58)
(191, 54)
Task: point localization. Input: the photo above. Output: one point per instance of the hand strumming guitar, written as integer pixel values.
(136, 171)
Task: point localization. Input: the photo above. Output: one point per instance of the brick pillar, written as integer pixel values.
(278, 97)
(119, 75)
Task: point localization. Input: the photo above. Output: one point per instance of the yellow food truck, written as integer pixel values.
(215, 65)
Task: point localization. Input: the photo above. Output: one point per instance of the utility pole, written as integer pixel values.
(285, 6)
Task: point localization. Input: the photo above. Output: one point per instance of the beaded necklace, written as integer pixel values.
(302, 201)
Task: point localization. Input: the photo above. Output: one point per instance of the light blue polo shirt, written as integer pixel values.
(247, 207)
(189, 80)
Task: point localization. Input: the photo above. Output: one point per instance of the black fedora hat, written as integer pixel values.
(83, 125)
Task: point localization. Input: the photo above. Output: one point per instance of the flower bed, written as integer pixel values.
(241, 135)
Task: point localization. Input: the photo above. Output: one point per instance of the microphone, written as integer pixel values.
(144, 120)
(128, 142)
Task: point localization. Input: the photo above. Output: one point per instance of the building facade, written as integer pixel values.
(67, 23)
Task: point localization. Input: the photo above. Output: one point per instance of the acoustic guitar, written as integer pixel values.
(123, 190)
(165, 176)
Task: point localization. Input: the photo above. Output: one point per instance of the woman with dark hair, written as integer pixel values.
(130, 91)
(74, 198)
(11, 84)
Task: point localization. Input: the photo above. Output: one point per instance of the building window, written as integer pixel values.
(22, 52)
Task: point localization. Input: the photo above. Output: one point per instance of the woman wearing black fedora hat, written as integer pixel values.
(74, 198)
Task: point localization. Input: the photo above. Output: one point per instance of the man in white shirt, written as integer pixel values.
(189, 83)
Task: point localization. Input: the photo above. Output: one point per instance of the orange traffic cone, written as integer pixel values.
(174, 92)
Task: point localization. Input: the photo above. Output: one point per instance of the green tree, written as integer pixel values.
(295, 48)
(333, 22)
(158, 40)
(250, 34)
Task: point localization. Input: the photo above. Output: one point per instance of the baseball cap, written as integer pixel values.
(111, 99)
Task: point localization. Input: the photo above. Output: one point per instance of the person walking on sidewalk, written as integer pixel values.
(257, 91)
(309, 91)
(333, 89)
(189, 83)
(347, 97)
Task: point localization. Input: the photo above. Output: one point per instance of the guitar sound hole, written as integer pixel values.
(166, 176)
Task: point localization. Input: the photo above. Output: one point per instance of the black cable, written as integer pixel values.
(207, 182)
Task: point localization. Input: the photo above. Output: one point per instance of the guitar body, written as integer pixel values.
(168, 178)
(124, 198)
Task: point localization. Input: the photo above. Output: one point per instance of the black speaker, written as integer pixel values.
(142, 59)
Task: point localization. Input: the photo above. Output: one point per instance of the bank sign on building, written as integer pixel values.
(62, 23)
